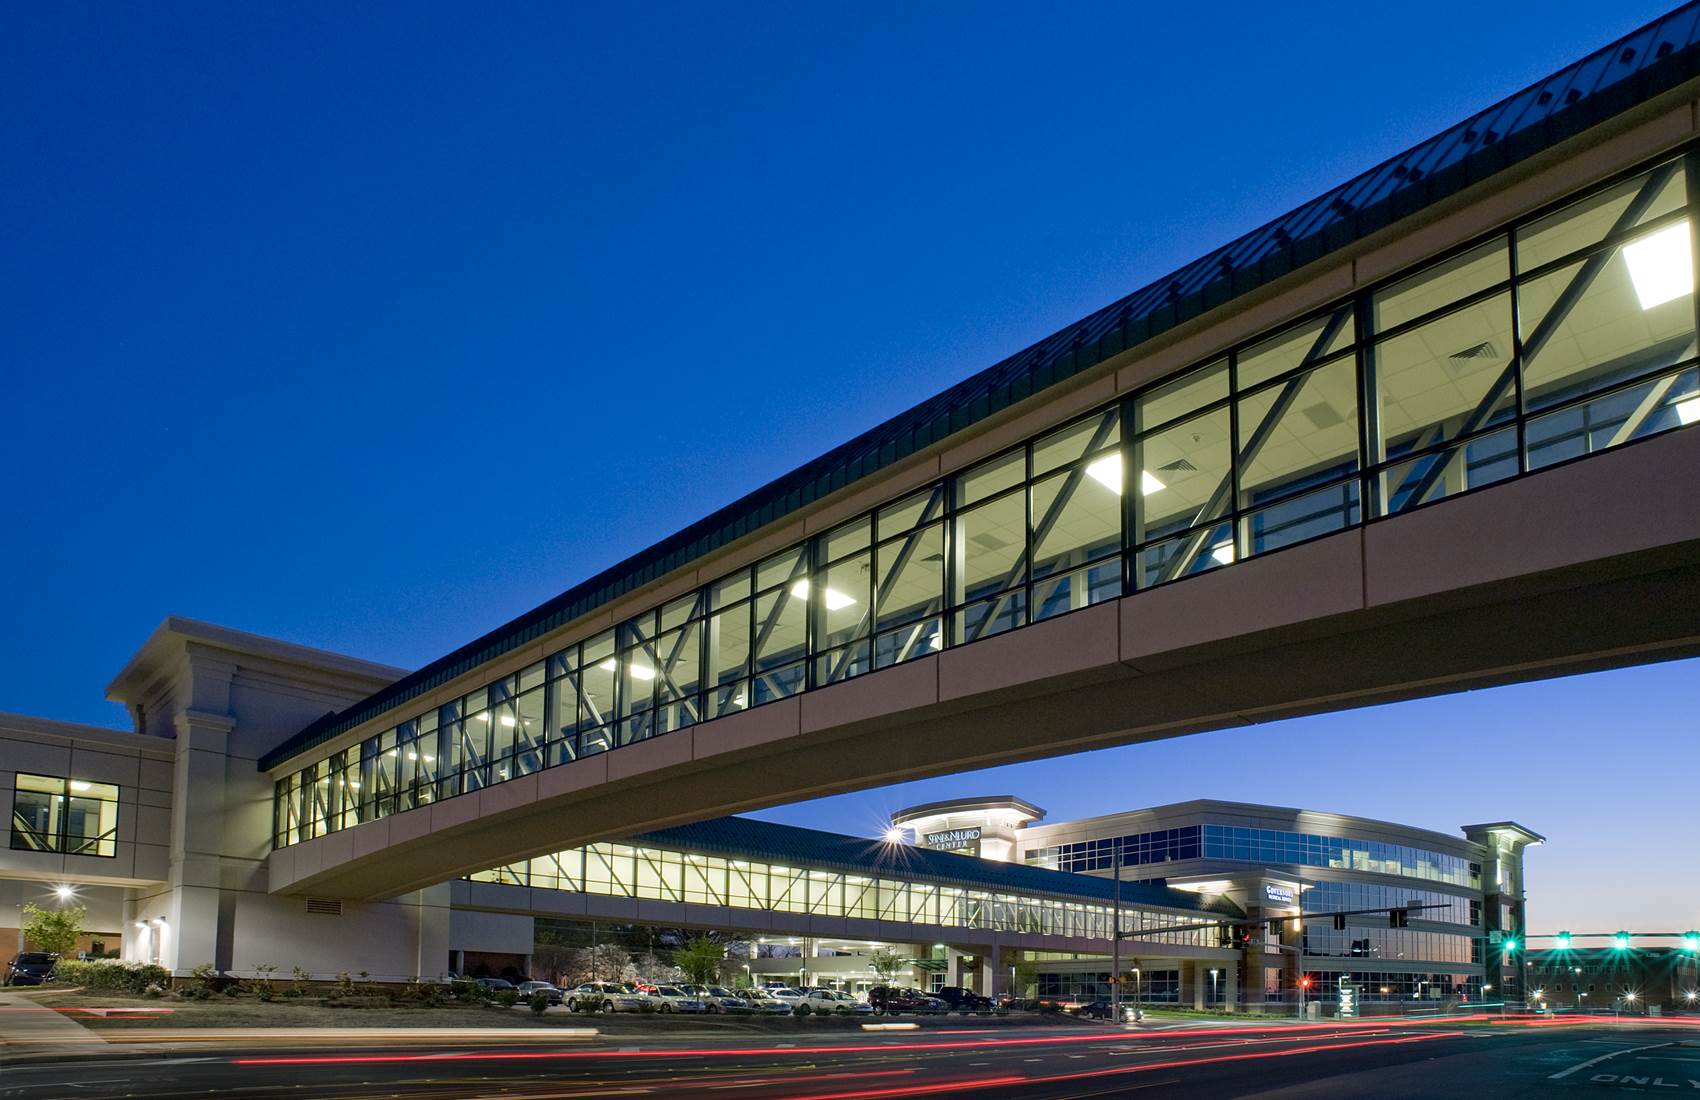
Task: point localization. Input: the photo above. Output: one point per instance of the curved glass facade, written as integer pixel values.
(1267, 846)
(1562, 336)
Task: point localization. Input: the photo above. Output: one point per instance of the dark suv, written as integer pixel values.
(892, 1000)
(962, 1000)
(32, 968)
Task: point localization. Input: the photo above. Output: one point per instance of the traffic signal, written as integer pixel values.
(1339, 922)
(1509, 945)
(1304, 982)
(1398, 918)
(1620, 941)
(1691, 942)
(1563, 941)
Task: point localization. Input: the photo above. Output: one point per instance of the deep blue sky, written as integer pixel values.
(371, 326)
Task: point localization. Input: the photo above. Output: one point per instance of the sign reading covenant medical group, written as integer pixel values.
(1280, 895)
(954, 840)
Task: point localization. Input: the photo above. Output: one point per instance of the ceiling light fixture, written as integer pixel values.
(833, 598)
(1688, 411)
(1107, 471)
(1149, 484)
(79, 784)
(610, 665)
(1223, 552)
(1661, 265)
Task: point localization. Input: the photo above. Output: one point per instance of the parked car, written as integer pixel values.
(670, 998)
(717, 998)
(528, 990)
(493, 984)
(763, 1001)
(32, 968)
(832, 1001)
(894, 1000)
(790, 996)
(962, 1000)
(594, 996)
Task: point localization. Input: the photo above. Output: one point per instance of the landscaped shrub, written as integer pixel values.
(113, 975)
(539, 1003)
(507, 998)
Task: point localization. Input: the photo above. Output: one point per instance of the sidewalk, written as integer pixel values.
(27, 1027)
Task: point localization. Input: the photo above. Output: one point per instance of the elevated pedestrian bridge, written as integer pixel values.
(1433, 431)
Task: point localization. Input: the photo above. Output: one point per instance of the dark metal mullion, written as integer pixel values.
(1691, 168)
(1372, 448)
(1133, 450)
(1520, 424)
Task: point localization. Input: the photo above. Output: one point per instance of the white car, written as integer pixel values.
(670, 998)
(833, 1002)
(763, 1001)
(792, 997)
(605, 997)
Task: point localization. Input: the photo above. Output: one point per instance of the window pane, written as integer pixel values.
(730, 589)
(991, 543)
(1182, 396)
(1448, 471)
(1184, 555)
(1443, 284)
(1077, 518)
(729, 659)
(845, 540)
(1303, 517)
(1445, 379)
(922, 507)
(782, 628)
(1087, 437)
(992, 477)
(1303, 345)
(1590, 221)
(1617, 316)
(911, 576)
(679, 676)
(1633, 412)
(983, 618)
(1071, 591)
(1183, 475)
(786, 567)
(843, 600)
(1299, 432)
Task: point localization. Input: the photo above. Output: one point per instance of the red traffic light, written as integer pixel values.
(1305, 982)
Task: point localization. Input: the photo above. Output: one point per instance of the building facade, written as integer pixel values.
(1628, 979)
(1309, 426)
(1453, 897)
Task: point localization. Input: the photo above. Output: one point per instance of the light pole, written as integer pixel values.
(1116, 933)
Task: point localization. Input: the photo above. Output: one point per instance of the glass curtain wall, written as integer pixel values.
(632, 871)
(1567, 335)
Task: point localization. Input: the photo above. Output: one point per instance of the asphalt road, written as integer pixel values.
(1385, 1060)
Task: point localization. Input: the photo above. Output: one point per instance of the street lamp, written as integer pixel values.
(1213, 974)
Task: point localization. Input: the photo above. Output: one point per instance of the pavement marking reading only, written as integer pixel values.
(1563, 1073)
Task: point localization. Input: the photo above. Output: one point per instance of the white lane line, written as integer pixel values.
(1563, 1073)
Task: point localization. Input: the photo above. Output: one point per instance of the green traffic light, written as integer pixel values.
(1691, 942)
(1510, 944)
(1620, 941)
(1564, 941)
